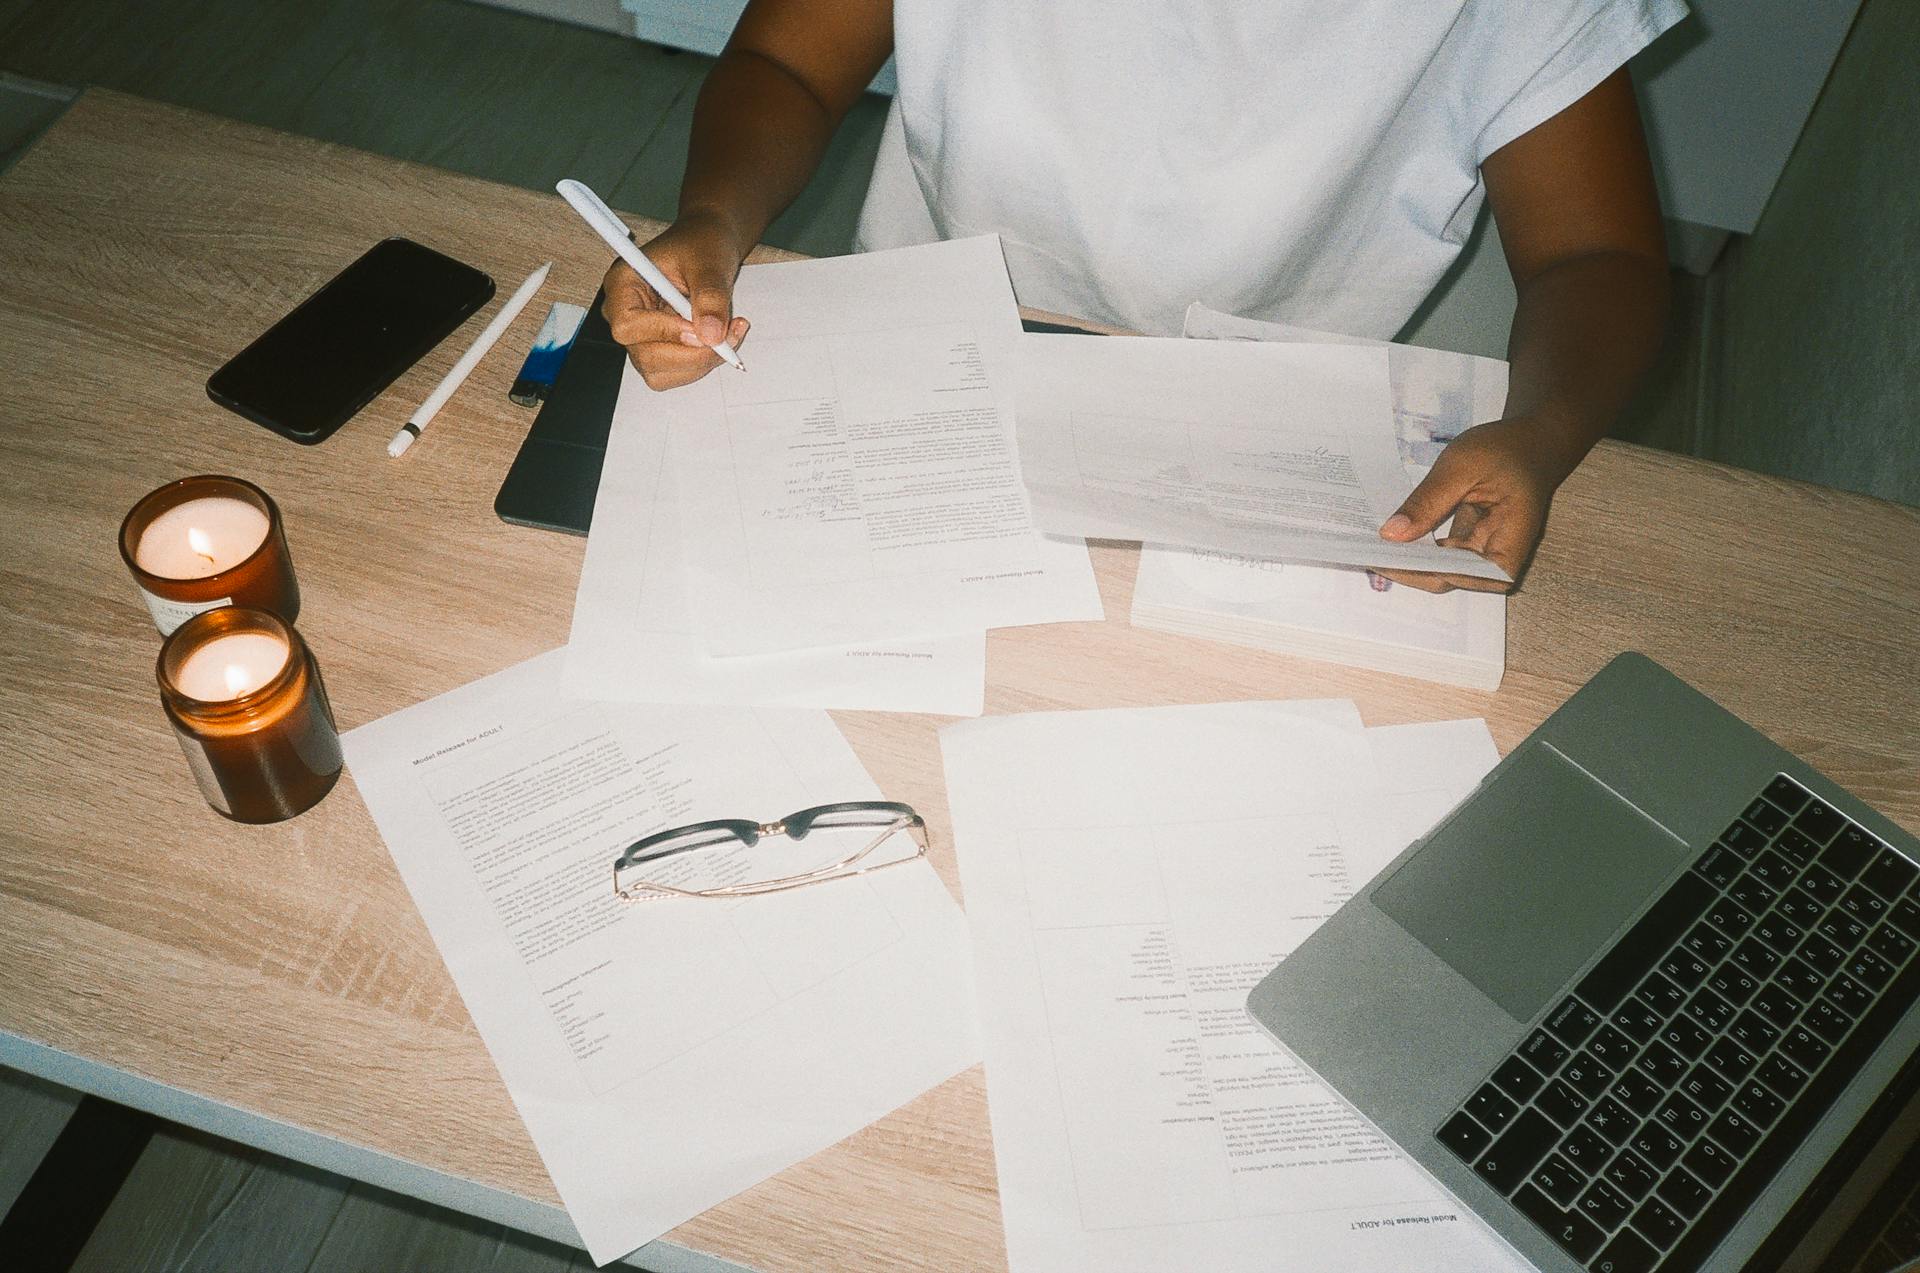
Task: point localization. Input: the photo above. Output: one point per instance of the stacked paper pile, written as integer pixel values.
(1331, 613)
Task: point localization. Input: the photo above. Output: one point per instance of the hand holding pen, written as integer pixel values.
(643, 300)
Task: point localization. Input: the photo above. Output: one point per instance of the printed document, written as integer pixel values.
(860, 481)
(667, 1054)
(1272, 450)
(633, 631)
(1129, 876)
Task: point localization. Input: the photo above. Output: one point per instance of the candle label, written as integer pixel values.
(168, 615)
(202, 766)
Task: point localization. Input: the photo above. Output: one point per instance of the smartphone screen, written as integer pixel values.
(308, 374)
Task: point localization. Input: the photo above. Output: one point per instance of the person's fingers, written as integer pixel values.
(1423, 580)
(1428, 504)
(710, 291)
(637, 327)
(670, 366)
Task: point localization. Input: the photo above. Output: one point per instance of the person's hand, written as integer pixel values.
(700, 258)
(1497, 480)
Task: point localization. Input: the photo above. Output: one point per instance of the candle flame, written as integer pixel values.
(202, 547)
(239, 680)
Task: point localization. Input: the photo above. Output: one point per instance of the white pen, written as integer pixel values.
(475, 352)
(609, 227)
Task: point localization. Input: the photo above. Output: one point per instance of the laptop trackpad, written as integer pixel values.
(1529, 878)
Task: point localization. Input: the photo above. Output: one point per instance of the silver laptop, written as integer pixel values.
(1644, 1000)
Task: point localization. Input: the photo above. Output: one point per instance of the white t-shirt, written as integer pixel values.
(1291, 160)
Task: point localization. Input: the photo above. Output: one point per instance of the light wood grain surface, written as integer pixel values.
(283, 970)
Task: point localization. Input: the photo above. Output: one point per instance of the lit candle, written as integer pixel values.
(200, 537)
(231, 666)
(205, 542)
(245, 699)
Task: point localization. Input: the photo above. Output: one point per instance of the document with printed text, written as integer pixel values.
(860, 482)
(1272, 450)
(664, 1054)
(633, 629)
(1129, 876)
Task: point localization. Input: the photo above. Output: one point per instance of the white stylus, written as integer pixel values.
(609, 227)
(468, 361)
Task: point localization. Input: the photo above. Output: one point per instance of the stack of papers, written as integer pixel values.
(1329, 612)
(840, 524)
(1130, 876)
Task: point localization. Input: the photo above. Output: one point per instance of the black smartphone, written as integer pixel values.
(309, 372)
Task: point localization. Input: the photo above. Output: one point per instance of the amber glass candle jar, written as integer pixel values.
(205, 542)
(245, 698)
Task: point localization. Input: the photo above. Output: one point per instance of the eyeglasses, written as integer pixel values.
(717, 848)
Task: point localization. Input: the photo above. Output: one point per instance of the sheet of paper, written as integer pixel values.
(1272, 450)
(1437, 394)
(1129, 876)
(860, 481)
(664, 1055)
(633, 630)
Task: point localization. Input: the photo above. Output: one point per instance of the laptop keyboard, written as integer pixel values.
(1650, 1108)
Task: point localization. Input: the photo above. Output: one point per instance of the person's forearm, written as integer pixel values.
(758, 135)
(1584, 332)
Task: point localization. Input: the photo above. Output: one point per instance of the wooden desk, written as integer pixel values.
(275, 985)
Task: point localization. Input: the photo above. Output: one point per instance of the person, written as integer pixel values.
(1319, 165)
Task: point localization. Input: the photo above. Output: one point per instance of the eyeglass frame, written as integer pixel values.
(747, 833)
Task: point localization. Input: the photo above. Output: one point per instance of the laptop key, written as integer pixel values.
(1890, 874)
(1464, 1137)
(1572, 1022)
(1573, 1232)
(1665, 997)
(1764, 816)
(1756, 959)
(1865, 966)
(1627, 1253)
(1819, 820)
(1659, 1223)
(1637, 1019)
(1731, 984)
(1787, 794)
(1799, 977)
(1636, 1091)
(1706, 1088)
(1683, 1193)
(1558, 1179)
(1708, 942)
(1825, 1019)
(1735, 1131)
(1801, 1047)
(1686, 1038)
(1663, 1064)
(1720, 866)
(1709, 1162)
(1730, 918)
(1679, 1115)
(1906, 917)
(1492, 1108)
(1589, 1076)
(1752, 894)
(1562, 1103)
(1852, 997)
(1517, 1079)
(1842, 930)
(1796, 846)
(1890, 944)
(1825, 957)
(1612, 1120)
(1710, 1010)
(1621, 968)
(1585, 1150)
(1517, 1151)
(1780, 932)
(1800, 908)
(1863, 904)
(1684, 968)
(1783, 1076)
(1544, 1052)
(1773, 870)
(1730, 1059)
(1605, 1205)
(1656, 1144)
(1851, 850)
(1612, 1046)
(1757, 1104)
(1824, 886)
(1630, 1174)
(1753, 1031)
(1777, 1006)
(1744, 839)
